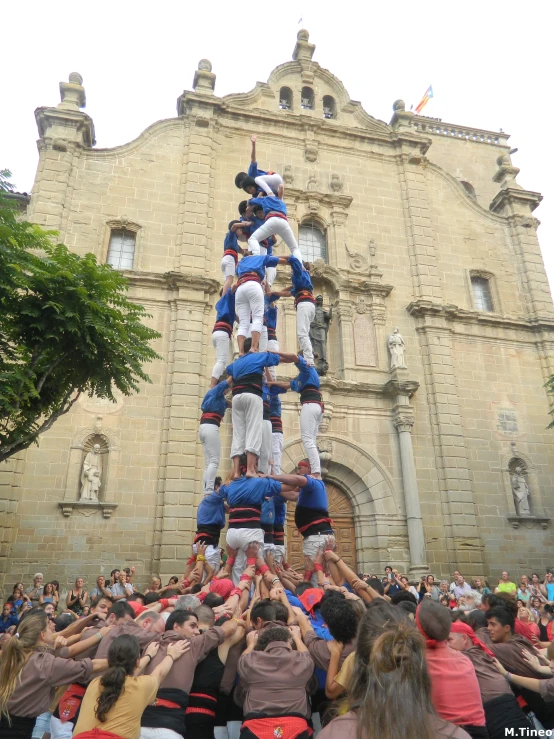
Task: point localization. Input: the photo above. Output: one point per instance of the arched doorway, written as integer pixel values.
(340, 510)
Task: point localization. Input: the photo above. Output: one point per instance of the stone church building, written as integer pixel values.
(414, 224)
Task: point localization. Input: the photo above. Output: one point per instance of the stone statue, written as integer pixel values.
(520, 490)
(92, 474)
(319, 328)
(397, 348)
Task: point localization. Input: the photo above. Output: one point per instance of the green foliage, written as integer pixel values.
(66, 328)
(5, 184)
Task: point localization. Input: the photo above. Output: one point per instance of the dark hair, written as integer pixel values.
(243, 205)
(477, 619)
(120, 609)
(408, 606)
(247, 344)
(205, 614)
(172, 593)
(247, 182)
(340, 618)
(112, 573)
(231, 224)
(503, 615)
(56, 584)
(127, 570)
(136, 596)
(390, 691)
(388, 567)
(213, 600)
(63, 621)
(435, 620)
(44, 589)
(301, 588)
(281, 611)
(179, 617)
(151, 597)
(506, 600)
(174, 580)
(264, 609)
(239, 179)
(377, 585)
(403, 595)
(196, 588)
(123, 654)
(218, 480)
(275, 633)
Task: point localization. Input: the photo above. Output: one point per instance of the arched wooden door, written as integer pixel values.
(340, 511)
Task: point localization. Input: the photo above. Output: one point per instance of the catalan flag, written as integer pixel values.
(424, 100)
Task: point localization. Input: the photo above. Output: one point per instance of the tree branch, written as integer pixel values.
(50, 369)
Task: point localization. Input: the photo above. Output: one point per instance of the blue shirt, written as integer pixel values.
(214, 400)
(231, 242)
(225, 308)
(275, 400)
(268, 512)
(256, 264)
(550, 590)
(294, 601)
(313, 495)
(307, 376)
(280, 511)
(211, 511)
(270, 311)
(270, 204)
(10, 621)
(254, 172)
(300, 277)
(252, 364)
(251, 491)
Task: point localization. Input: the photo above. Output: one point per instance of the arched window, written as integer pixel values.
(307, 98)
(329, 107)
(121, 251)
(285, 98)
(468, 187)
(312, 242)
(482, 295)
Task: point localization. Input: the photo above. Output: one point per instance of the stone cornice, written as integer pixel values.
(390, 388)
(426, 125)
(46, 117)
(357, 282)
(329, 199)
(426, 308)
(510, 196)
(173, 281)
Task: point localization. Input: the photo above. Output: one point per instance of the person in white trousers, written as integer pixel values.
(213, 408)
(304, 302)
(258, 180)
(222, 333)
(270, 321)
(275, 224)
(231, 250)
(267, 445)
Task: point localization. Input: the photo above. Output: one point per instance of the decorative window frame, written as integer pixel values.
(495, 295)
(291, 91)
(123, 224)
(319, 222)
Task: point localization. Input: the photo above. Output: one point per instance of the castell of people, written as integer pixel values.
(277, 375)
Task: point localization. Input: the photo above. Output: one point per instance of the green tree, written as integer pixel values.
(5, 184)
(66, 328)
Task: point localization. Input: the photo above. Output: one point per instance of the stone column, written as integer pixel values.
(416, 539)
(337, 256)
(345, 312)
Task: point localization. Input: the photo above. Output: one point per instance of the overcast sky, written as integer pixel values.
(490, 65)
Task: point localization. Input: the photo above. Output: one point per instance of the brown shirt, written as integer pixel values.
(230, 671)
(129, 627)
(181, 673)
(345, 727)
(41, 675)
(491, 683)
(91, 651)
(509, 653)
(546, 689)
(275, 681)
(319, 651)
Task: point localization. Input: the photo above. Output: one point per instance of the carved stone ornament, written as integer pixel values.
(529, 522)
(403, 422)
(288, 175)
(87, 508)
(326, 419)
(325, 446)
(357, 263)
(312, 185)
(397, 350)
(361, 306)
(311, 151)
(336, 183)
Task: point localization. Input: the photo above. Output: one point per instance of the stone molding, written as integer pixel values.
(373, 389)
(436, 127)
(87, 508)
(529, 522)
(46, 118)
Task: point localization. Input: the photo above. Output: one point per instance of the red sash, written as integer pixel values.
(280, 727)
(313, 523)
(248, 277)
(274, 214)
(231, 253)
(304, 296)
(71, 702)
(96, 734)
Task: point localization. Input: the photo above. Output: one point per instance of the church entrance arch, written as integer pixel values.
(340, 510)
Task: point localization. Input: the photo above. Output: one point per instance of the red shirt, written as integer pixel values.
(455, 691)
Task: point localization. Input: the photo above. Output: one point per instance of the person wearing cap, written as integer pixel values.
(455, 692)
(502, 711)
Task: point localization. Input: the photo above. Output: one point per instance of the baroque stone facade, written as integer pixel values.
(419, 218)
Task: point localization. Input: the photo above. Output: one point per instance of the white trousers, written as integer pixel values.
(279, 553)
(274, 226)
(272, 346)
(228, 266)
(310, 546)
(269, 183)
(213, 556)
(263, 339)
(277, 451)
(61, 730)
(310, 418)
(249, 301)
(240, 539)
(211, 445)
(247, 416)
(220, 342)
(265, 451)
(146, 732)
(305, 314)
(270, 275)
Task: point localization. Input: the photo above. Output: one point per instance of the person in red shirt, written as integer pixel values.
(455, 692)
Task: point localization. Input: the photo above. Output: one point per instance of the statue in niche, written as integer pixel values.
(397, 349)
(520, 489)
(319, 328)
(91, 474)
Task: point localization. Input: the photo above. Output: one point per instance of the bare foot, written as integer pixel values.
(236, 476)
(251, 474)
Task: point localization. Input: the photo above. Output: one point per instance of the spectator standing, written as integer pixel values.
(101, 590)
(122, 589)
(547, 588)
(427, 587)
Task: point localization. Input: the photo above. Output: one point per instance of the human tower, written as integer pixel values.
(255, 492)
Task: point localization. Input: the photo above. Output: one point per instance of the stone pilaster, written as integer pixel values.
(344, 310)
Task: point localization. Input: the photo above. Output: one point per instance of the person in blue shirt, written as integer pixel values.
(304, 302)
(210, 519)
(311, 413)
(276, 427)
(265, 450)
(279, 551)
(249, 297)
(311, 515)
(7, 618)
(247, 406)
(245, 497)
(213, 407)
(258, 180)
(231, 250)
(222, 332)
(275, 223)
(268, 522)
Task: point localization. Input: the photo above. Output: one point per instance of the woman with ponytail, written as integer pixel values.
(390, 692)
(30, 673)
(113, 704)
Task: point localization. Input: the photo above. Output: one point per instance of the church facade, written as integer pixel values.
(435, 450)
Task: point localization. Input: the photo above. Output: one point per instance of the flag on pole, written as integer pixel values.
(300, 21)
(424, 100)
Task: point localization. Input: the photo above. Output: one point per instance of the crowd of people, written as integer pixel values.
(242, 644)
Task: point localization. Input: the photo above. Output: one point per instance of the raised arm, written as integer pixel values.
(293, 481)
(253, 139)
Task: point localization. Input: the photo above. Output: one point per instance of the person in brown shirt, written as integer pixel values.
(146, 628)
(342, 623)
(172, 697)
(502, 711)
(274, 682)
(30, 673)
